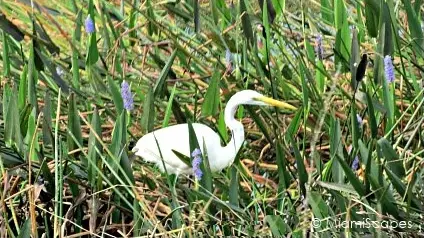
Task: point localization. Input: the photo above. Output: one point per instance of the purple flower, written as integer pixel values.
(318, 47)
(355, 163)
(196, 153)
(389, 69)
(197, 160)
(359, 119)
(127, 96)
(89, 25)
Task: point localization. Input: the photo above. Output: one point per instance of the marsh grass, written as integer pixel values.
(65, 136)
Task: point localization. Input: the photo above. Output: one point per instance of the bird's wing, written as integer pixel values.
(173, 138)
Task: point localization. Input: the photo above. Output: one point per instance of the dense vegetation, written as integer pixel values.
(82, 81)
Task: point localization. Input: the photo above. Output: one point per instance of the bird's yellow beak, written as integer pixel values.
(276, 103)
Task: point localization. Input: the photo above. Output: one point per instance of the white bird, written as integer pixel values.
(177, 138)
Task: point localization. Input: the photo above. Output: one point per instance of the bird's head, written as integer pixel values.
(250, 97)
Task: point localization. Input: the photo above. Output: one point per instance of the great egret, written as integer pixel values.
(177, 138)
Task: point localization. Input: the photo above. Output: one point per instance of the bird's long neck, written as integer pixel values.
(237, 135)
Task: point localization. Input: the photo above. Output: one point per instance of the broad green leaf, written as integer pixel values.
(372, 115)
(148, 117)
(23, 87)
(351, 176)
(74, 124)
(392, 159)
(283, 175)
(6, 60)
(116, 95)
(76, 37)
(246, 24)
(158, 88)
(25, 230)
(168, 110)
(94, 144)
(12, 133)
(414, 24)
(340, 14)
(182, 157)
(92, 51)
(211, 104)
(278, 227)
(47, 121)
(372, 13)
(301, 170)
(401, 189)
(336, 148)
(327, 12)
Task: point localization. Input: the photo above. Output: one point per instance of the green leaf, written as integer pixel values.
(278, 227)
(148, 117)
(320, 209)
(6, 59)
(392, 159)
(301, 170)
(336, 148)
(32, 79)
(372, 13)
(12, 132)
(234, 186)
(23, 118)
(93, 145)
(168, 110)
(158, 88)
(47, 121)
(116, 95)
(343, 45)
(385, 199)
(327, 12)
(371, 113)
(211, 104)
(340, 14)
(25, 231)
(401, 189)
(378, 59)
(283, 175)
(33, 146)
(76, 37)
(351, 176)
(246, 24)
(414, 24)
(93, 52)
(152, 29)
(386, 20)
(182, 157)
(23, 87)
(74, 124)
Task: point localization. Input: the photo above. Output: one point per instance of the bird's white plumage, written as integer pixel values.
(177, 138)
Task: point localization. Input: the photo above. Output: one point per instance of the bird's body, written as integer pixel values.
(176, 138)
(172, 138)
